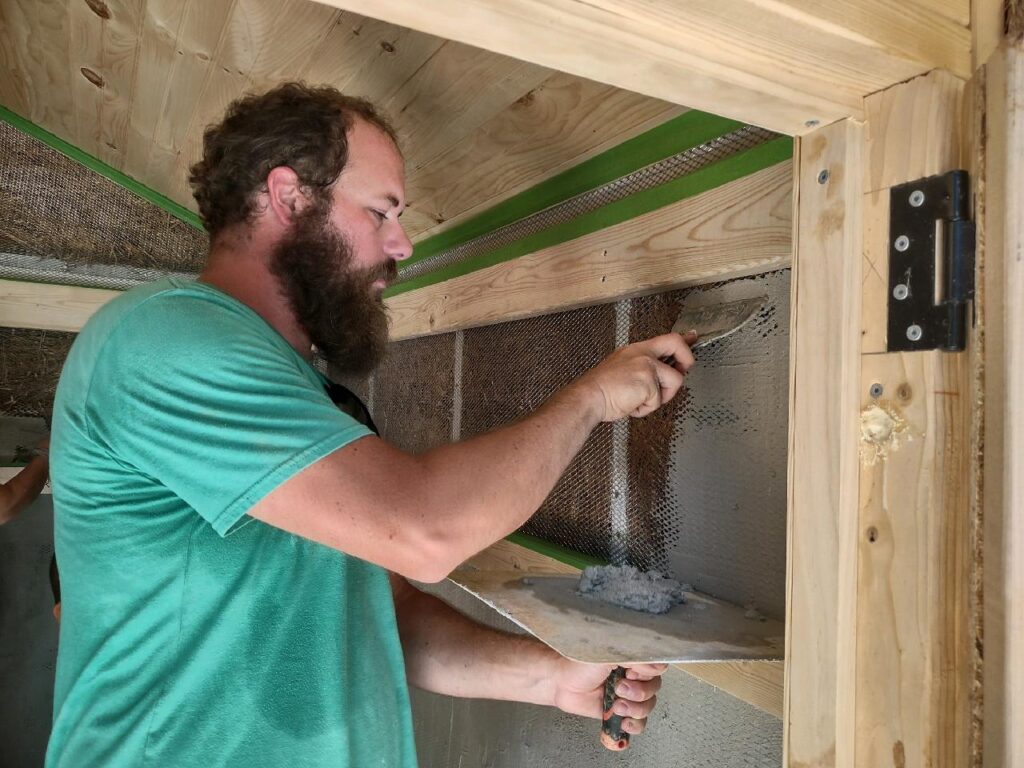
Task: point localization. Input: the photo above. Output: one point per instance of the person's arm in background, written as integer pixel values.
(22, 489)
(447, 653)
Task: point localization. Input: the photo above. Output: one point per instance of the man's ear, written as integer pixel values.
(285, 198)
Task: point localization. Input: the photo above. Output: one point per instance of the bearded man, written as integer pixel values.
(234, 547)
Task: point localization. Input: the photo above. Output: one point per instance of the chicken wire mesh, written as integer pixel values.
(681, 164)
(30, 364)
(696, 490)
(66, 223)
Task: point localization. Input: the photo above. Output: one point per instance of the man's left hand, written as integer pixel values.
(579, 690)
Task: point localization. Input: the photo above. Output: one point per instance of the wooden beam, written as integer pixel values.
(824, 363)
(739, 228)
(49, 307)
(788, 65)
(1002, 258)
(912, 684)
(756, 682)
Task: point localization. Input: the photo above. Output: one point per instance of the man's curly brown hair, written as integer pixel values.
(296, 125)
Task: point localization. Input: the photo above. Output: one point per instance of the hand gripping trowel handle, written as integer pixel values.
(612, 735)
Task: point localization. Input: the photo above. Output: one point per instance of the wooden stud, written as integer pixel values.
(824, 363)
(914, 556)
(49, 307)
(1002, 240)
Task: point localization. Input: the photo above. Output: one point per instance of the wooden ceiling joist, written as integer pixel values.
(787, 65)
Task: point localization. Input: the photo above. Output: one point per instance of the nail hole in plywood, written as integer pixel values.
(99, 8)
(93, 77)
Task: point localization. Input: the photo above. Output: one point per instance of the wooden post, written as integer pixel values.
(1002, 237)
(914, 554)
(824, 363)
(879, 643)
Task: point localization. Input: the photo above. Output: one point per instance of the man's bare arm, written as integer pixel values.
(445, 652)
(420, 516)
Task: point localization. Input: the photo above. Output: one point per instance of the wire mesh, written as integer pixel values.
(63, 213)
(696, 490)
(411, 393)
(649, 176)
(509, 370)
(30, 364)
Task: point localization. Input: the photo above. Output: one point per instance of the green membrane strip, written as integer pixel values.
(98, 166)
(670, 138)
(554, 551)
(722, 172)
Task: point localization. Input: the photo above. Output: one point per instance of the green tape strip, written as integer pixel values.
(554, 551)
(671, 137)
(98, 166)
(722, 172)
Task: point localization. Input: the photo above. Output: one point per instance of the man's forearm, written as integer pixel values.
(447, 653)
(22, 489)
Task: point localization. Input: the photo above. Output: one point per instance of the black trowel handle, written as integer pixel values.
(612, 735)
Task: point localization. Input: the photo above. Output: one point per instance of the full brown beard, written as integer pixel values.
(335, 303)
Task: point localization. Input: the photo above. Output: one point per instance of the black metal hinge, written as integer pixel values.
(931, 263)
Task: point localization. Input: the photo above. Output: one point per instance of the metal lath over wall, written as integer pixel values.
(697, 489)
(63, 223)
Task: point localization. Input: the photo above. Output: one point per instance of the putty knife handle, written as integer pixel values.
(612, 735)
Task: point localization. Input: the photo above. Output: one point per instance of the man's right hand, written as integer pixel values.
(634, 380)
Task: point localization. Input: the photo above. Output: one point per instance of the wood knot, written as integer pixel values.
(93, 77)
(99, 8)
(526, 99)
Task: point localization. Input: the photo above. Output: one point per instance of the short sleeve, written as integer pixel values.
(206, 400)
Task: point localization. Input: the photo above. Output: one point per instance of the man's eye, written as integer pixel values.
(379, 214)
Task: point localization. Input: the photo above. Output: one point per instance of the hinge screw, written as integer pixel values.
(902, 243)
(876, 390)
(823, 176)
(917, 198)
(900, 292)
(914, 333)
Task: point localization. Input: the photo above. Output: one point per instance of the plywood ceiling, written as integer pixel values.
(134, 82)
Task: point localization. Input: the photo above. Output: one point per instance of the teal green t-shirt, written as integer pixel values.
(192, 634)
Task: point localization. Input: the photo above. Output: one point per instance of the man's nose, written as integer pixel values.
(399, 246)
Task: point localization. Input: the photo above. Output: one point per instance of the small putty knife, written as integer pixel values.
(716, 321)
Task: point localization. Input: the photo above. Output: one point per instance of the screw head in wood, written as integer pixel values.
(900, 291)
(902, 243)
(917, 198)
(914, 333)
